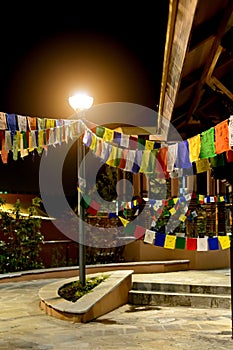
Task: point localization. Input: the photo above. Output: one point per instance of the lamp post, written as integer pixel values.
(81, 102)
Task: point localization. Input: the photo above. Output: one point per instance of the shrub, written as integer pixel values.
(22, 238)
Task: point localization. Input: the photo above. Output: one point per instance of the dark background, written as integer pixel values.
(113, 52)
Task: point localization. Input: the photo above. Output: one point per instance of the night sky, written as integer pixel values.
(113, 52)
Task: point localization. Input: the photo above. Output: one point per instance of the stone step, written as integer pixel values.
(176, 287)
(196, 300)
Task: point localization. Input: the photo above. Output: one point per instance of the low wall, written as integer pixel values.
(212, 259)
(104, 298)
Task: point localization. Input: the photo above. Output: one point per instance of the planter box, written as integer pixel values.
(107, 296)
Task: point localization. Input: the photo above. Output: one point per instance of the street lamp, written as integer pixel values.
(81, 102)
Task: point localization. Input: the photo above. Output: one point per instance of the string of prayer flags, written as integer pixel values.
(179, 156)
(201, 244)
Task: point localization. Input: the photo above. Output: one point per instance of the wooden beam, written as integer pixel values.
(212, 60)
(180, 20)
(216, 85)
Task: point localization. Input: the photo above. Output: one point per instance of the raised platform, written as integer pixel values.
(72, 271)
(107, 296)
(199, 260)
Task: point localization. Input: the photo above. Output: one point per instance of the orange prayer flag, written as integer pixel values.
(222, 137)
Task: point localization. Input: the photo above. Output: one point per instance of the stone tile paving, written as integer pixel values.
(23, 325)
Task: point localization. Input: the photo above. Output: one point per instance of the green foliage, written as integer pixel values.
(75, 290)
(106, 183)
(23, 240)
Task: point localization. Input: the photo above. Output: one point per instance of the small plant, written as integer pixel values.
(22, 238)
(74, 290)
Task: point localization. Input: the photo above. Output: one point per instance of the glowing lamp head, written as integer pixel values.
(80, 101)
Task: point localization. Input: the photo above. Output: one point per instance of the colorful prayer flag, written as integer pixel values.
(159, 239)
(139, 232)
(170, 242)
(191, 243)
(213, 243)
(224, 241)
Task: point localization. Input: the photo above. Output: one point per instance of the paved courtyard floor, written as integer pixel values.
(23, 325)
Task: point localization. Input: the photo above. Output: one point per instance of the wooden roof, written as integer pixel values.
(197, 78)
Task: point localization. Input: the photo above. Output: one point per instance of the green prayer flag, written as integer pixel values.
(100, 131)
(130, 228)
(180, 242)
(85, 202)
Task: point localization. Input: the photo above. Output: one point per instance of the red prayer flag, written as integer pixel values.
(191, 243)
(93, 208)
(139, 232)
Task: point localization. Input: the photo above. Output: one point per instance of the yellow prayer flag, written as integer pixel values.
(194, 147)
(201, 197)
(50, 123)
(93, 142)
(170, 242)
(172, 211)
(124, 221)
(41, 138)
(182, 217)
(112, 156)
(175, 200)
(149, 145)
(108, 135)
(224, 242)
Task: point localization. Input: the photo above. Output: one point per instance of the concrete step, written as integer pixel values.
(176, 287)
(165, 298)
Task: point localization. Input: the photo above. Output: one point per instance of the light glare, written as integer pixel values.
(80, 101)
